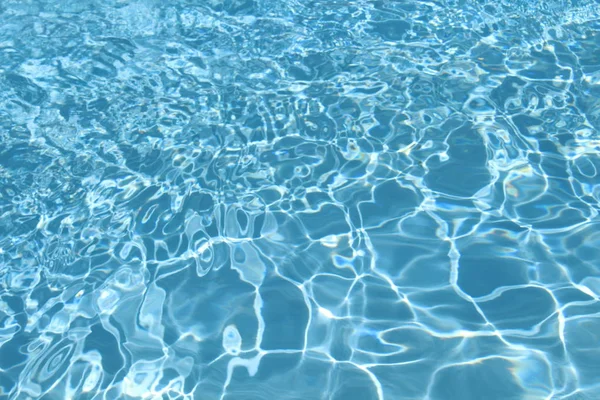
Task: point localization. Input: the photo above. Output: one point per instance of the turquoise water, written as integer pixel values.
(348, 200)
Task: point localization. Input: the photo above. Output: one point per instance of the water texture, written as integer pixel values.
(252, 199)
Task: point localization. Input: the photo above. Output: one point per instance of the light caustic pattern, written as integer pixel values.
(248, 199)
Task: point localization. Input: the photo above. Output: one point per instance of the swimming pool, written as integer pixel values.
(349, 200)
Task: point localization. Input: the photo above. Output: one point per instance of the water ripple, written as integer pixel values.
(322, 199)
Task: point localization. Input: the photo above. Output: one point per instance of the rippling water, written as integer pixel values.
(251, 199)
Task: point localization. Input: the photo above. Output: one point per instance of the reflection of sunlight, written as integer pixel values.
(326, 313)
(286, 199)
(594, 282)
(586, 143)
(330, 241)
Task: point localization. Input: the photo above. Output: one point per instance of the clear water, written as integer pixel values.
(252, 199)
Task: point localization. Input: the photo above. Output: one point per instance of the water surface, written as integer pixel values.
(347, 200)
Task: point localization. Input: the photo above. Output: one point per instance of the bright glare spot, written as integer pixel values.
(586, 290)
(330, 241)
(203, 248)
(326, 313)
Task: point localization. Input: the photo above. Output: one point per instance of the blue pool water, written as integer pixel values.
(253, 199)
